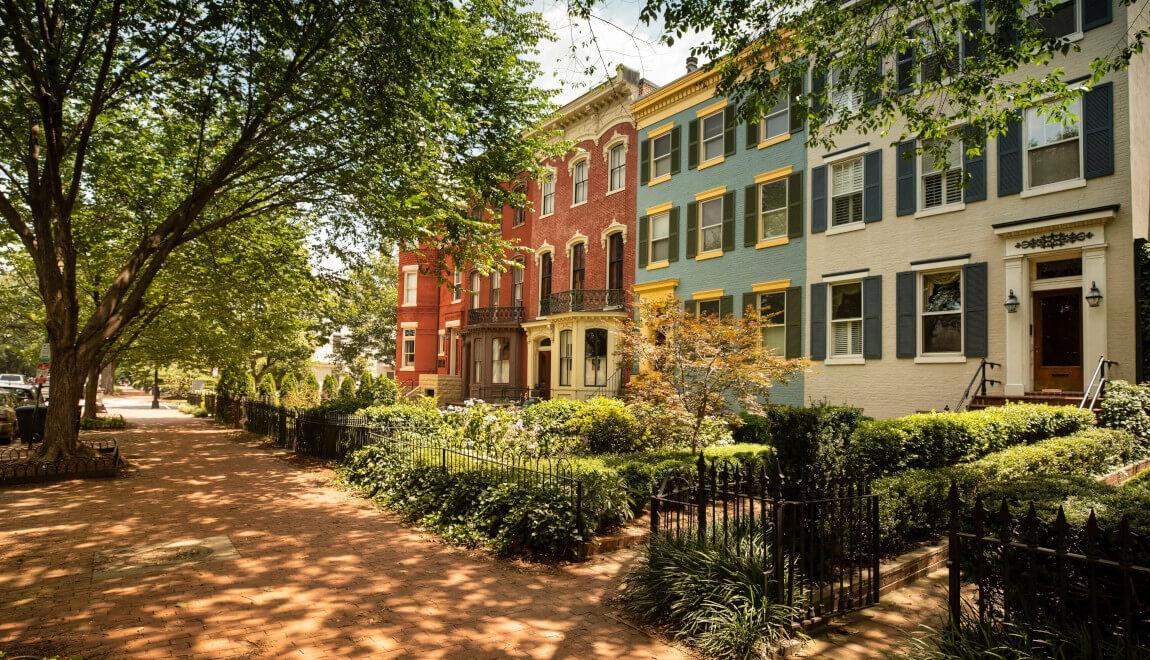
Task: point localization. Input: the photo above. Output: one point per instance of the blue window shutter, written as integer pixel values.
(1010, 159)
(1096, 13)
(644, 244)
(974, 305)
(906, 341)
(974, 167)
(1098, 131)
(818, 321)
(676, 147)
(872, 317)
(692, 144)
(795, 218)
(904, 178)
(872, 186)
(818, 199)
(673, 235)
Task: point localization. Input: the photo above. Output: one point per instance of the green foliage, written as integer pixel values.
(366, 389)
(288, 385)
(268, 390)
(330, 388)
(606, 426)
(972, 639)
(712, 598)
(250, 390)
(103, 423)
(810, 441)
(380, 391)
(347, 388)
(413, 418)
(1127, 406)
(550, 422)
(930, 440)
(194, 411)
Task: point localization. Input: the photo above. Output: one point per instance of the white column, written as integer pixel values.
(1017, 361)
(532, 362)
(1093, 318)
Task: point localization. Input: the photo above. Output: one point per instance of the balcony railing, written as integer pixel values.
(583, 300)
(494, 315)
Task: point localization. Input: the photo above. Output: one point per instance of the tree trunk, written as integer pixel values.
(61, 435)
(108, 378)
(91, 390)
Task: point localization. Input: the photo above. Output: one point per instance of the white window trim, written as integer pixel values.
(1078, 33)
(549, 176)
(722, 211)
(849, 358)
(759, 235)
(1057, 186)
(857, 224)
(405, 327)
(585, 159)
(835, 115)
(919, 315)
(651, 238)
(407, 270)
(457, 285)
(721, 113)
(617, 141)
(920, 182)
(670, 150)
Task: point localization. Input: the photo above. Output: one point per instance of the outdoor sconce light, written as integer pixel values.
(1094, 295)
(1011, 303)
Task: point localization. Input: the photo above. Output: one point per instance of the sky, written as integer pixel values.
(614, 36)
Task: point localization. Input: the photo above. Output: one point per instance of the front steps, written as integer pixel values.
(1050, 398)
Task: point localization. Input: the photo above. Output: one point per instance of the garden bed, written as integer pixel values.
(18, 466)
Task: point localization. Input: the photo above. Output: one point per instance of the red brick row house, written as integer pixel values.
(548, 328)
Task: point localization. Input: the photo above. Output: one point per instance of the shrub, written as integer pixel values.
(414, 418)
(930, 440)
(1127, 406)
(268, 390)
(346, 388)
(1090, 452)
(809, 441)
(710, 597)
(288, 386)
(250, 390)
(606, 426)
(194, 411)
(309, 390)
(103, 423)
(330, 389)
(549, 421)
(386, 392)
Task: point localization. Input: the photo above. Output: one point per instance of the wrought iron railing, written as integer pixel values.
(978, 385)
(493, 315)
(584, 300)
(1097, 386)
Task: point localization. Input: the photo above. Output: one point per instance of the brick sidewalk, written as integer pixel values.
(319, 573)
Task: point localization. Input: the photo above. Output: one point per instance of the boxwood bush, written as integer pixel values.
(416, 418)
(1127, 406)
(810, 442)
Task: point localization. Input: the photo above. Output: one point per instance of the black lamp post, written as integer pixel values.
(155, 388)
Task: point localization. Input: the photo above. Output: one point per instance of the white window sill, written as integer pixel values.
(843, 360)
(408, 304)
(612, 192)
(941, 210)
(546, 215)
(575, 204)
(845, 229)
(940, 359)
(1049, 188)
(407, 368)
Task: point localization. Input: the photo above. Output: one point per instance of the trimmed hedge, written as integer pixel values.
(810, 442)
(415, 418)
(933, 440)
(1127, 406)
(913, 503)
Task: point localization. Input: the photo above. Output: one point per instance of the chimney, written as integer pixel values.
(692, 63)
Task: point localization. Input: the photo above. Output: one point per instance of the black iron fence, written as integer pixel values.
(494, 315)
(585, 300)
(819, 549)
(103, 460)
(1077, 584)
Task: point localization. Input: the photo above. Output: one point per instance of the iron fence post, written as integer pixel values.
(954, 559)
(701, 498)
(579, 522)
(443, 459)
(780, 574)
(654, 513)
(876, 578)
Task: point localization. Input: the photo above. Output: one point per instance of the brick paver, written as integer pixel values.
(320, 573)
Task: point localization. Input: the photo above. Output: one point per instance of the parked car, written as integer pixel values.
(17, 379)
(7, 418)
(20, 394)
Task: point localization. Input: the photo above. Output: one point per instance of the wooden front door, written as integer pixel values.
(544, 385)
(1058, 340)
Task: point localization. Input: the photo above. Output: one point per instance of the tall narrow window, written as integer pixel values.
(616, 168)
(545, 276)
(496, 281)
(942, 181)
(441, 344)
(773, 210)
(578, 265)
(615, 261)
(566, 358)
(474, 292)
(410, 286)
(457, 286)
(519, 211)
(595, 358)
(661, 156)
(409, 347)
(942, 312)
(476, 360)
(846, 320)
(712, 143)
(711, 224)
(579, 182)
(773, 308)
(548, 188)
(1053, 148)
(517, 284)
(844, 96)
(660, 237)
(847, 192)
(500, 360)
(778, 119)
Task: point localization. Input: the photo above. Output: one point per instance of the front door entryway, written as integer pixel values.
(1057, 335)
(544, 372)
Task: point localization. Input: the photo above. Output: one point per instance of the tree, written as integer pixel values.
(347, 388)
(876, 50)
(193, 117)
(309, 392)
(268, 390)
(330, 388)
(363, 306)
(250, 389)
(700, 366)
(289, 386)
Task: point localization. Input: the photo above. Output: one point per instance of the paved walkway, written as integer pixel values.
(298, 568)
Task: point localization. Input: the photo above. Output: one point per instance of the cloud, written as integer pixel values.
(584, 53)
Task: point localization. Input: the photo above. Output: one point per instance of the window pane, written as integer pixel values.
(847, 177)
(1060, 22)
(778, 125)
(1043, 130)
(775, 339)
(772, 307)
(713, 136)
(709, 307)
(660, 225)
(711, 224)
(1055, 163)
(846, 209)
(847, 339)
(942, 333)
(1045, 270)
(846, 301)
(942, 292)
(661, 146)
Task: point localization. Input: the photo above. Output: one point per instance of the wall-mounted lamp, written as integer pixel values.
(1094, 295)
(1011, 303)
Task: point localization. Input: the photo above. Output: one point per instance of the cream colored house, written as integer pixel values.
(914, 279)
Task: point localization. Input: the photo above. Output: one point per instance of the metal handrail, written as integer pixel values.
(585, 300)
(1097, 385)
(492, 315)
(980, 378)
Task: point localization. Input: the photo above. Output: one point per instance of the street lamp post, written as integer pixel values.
(155, 387)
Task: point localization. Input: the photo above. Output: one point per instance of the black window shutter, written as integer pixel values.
(692, 229)
(644, 244)
(819, 321)
(1010, 159)
(794, 314)
(874, 93)
(974, 167)
(818, 83)
(819, 199)
(872, 316)
(673, 235)
(748, 301)
(872, 186)
(750, 218)
(904, 167)
(795, 197)
(975, 29)
(645, 162)
(726, 305)
(797, 118)
(692, 144)
(752, 133)
(729, 221)
(906, 70)
(1096, 13)
(1098, 130)
(974, 293)
(730, 122)
(676, 143)
(906, 342)
(691, 307)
